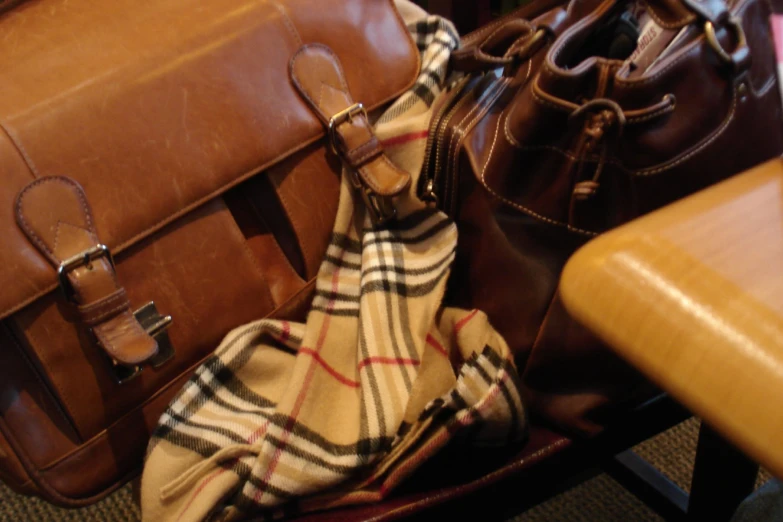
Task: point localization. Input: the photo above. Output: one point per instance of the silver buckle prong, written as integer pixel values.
(341, 117)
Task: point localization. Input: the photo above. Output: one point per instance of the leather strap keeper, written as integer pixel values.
(54, 214)
(318, 76)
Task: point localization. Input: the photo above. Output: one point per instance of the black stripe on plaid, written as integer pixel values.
(402, 289)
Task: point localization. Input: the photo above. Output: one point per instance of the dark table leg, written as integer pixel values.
(722, 478)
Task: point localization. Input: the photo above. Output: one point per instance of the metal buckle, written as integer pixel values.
(380, 208)
(341, 117)
(79, 260)
(123, 373)
(712, 38)
(148, 317)
(155, 325)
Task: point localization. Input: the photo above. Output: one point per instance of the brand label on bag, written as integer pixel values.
(653, 39)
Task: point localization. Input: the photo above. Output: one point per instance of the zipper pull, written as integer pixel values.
(430, 196)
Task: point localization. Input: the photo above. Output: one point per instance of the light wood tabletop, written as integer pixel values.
(692, 296)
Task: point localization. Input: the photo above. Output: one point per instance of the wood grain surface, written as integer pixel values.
(692, 295)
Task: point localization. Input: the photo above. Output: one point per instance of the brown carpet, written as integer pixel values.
(600, 499)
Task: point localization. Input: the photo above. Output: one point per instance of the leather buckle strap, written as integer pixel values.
(345, 115)
(318, 76)
(82, 259)
(54, 215)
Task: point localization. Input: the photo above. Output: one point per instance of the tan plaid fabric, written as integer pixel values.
(293, 417)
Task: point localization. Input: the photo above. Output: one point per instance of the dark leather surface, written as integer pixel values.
(515, 179)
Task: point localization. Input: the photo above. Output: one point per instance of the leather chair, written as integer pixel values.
(496, 484)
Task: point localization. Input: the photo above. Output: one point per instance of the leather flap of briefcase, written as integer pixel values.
(157, 161)
(156, 107)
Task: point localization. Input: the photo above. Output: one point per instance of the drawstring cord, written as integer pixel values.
(597, 124)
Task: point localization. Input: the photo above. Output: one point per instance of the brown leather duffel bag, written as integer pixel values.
(162, 183)
(570, 141)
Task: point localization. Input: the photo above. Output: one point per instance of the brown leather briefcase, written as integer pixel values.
(162, 183)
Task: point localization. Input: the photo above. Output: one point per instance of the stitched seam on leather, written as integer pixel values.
(288, 23)
(531, 213)
(503, 117)
(649, 171)
(368, 178)
(118, 294)
(543, 101)
(372, 144)
(487, 98)
(486, 101)
(492, 148)
(459, 130)
(659, 112)
(20, 148)
(295, 77)
(507, 132)
(336, 63)
(117, 308)
(641, 172)
(695, 149)
(20, 214)
(57, 233)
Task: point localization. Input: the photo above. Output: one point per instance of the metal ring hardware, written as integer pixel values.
(735, 24)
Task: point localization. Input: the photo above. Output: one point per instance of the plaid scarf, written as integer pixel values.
(295, 417)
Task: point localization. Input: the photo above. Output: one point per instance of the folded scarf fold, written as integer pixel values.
(381, 376)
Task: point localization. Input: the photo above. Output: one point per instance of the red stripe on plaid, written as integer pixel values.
(405, 138)
(286, 331)
(465, 320)
(334, 373)
(388, 360)
(435, 344)
(307, 380)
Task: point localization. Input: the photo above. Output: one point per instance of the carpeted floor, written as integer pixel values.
(600, 499)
